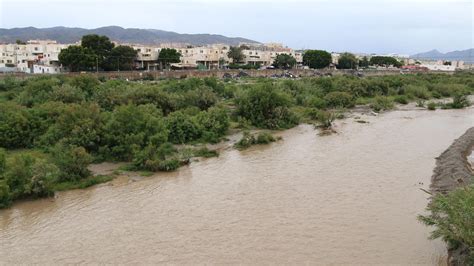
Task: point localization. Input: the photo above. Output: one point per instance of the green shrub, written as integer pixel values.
(5, 195)
(316, 102)
(401, 99)
(420, 92)
(265, 106)
(76, 124)
(420, 103)
(72, 162)
(248, 140)
(15, 127)
(431, 106)
(381, 103)
(168, 165)
(182, 128)
(18, 174)
(325, 119)
(206, 153)
(163, 158)
(28, 177)
(452, 216)
(460, 101)
(339, 99)
(201, 97)
(214, 123)
(3, 162)
(130, 128)
(67, 94)
(264, 138)
(449, 90)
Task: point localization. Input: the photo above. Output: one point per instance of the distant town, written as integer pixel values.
(44, 57)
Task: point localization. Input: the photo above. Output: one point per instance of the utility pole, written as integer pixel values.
(97, 64)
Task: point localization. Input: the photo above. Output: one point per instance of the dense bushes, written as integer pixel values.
(453, 218)
(15, 126)
(182, 128)
(129, 128)
(72, 162)
(339, 99)
(265, 106)
(70, 121)
(24, 176)
(381, 103)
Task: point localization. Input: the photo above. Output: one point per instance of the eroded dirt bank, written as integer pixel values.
(452, 171)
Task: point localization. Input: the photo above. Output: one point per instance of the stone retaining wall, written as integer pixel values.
(134, 75)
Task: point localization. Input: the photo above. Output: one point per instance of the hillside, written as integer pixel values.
(463, 55)
(115, 33)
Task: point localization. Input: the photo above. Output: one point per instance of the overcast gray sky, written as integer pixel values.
(381, 26)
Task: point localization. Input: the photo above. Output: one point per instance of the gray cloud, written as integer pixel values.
(355, 25)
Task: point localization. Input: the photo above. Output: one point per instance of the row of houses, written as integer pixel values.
(42, 56)
(214, 56)
(35, 56)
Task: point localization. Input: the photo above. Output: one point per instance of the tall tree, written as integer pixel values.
(77, 58)
(235, 53)
(121, 58)
(347, 61)
(284, 61)
(101, 46)
(364, 62)
(168, 56)
(385, 61)
(317, 59)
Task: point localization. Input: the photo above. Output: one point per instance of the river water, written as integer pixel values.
(347, 198)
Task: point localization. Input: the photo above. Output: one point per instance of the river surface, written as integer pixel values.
(347, 198)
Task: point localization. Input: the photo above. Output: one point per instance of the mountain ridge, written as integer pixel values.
(458, 55)
(63, 34)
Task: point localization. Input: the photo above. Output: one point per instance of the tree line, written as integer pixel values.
(98, 53)
(315, 59)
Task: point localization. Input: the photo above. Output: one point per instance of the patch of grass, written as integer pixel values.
(81, 184)
(146, 173)
(248, 140)
(431, 106)
(381, 103)
(420, 103)
(401, 99)
(206, 153)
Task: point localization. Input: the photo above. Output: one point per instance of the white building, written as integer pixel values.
(41, 56)
(46, 69)
(24, 56)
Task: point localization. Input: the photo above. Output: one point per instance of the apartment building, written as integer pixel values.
(147, 57)
(23, 57)
(41, 56)
(209, 57)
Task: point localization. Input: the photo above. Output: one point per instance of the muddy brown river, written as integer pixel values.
(347, 198)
